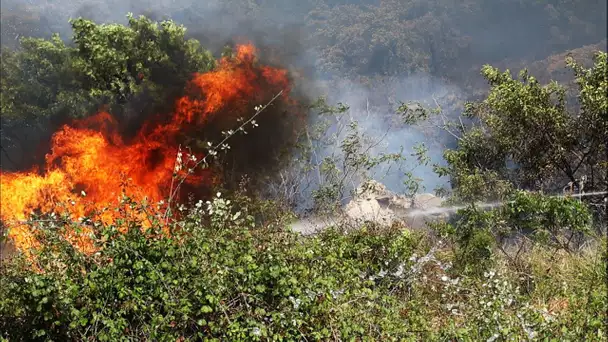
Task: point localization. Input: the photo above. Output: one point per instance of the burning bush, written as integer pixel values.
(91, 165)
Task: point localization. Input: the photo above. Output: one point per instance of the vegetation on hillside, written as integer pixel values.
(224, 276)
(568, 145)
(450, 39)
(229, 267)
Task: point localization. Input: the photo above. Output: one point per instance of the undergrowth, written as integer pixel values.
(224, 274)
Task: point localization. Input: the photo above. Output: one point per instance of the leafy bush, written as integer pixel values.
(218, 276)
(225, 272)
(555, 222)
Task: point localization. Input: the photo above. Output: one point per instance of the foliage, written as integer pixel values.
(219, 276)
(554, 222)
(131, 69)
(336, 152)
(546, 303)
(446, 39)
(498, 152)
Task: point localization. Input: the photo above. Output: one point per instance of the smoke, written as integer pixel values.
(277, 32)
(280, 29)
(372, 116)
(374, 106)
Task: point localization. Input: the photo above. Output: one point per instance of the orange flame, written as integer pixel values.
(90, 158)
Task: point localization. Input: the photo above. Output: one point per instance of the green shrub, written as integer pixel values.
(221, 277)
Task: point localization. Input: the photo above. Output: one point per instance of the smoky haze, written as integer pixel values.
(290, 34)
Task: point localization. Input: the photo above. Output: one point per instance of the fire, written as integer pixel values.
(90, 165)
(233, 86)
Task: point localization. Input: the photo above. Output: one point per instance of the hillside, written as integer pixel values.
(262, 171)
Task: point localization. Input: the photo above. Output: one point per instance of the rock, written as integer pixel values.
(426, 201)
(374, 203)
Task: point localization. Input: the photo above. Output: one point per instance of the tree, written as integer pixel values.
(131, 69)
(447, 39)
(529, 136)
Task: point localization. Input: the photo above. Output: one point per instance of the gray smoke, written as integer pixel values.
(213, 21)
(373, 107)
(283, 26)
(216, 23)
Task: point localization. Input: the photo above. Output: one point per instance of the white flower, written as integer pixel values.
(531, 333)
(445, 278)
(296, 302)
(489, 275)
(399, 271)
(493, 338)
(257, 331)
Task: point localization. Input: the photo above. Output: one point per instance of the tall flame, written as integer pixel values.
(90, 165)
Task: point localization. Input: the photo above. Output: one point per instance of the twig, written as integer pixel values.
(204, 160)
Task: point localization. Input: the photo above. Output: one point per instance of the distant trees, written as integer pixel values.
(447, 39)
(371, 37)
(18, 22)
